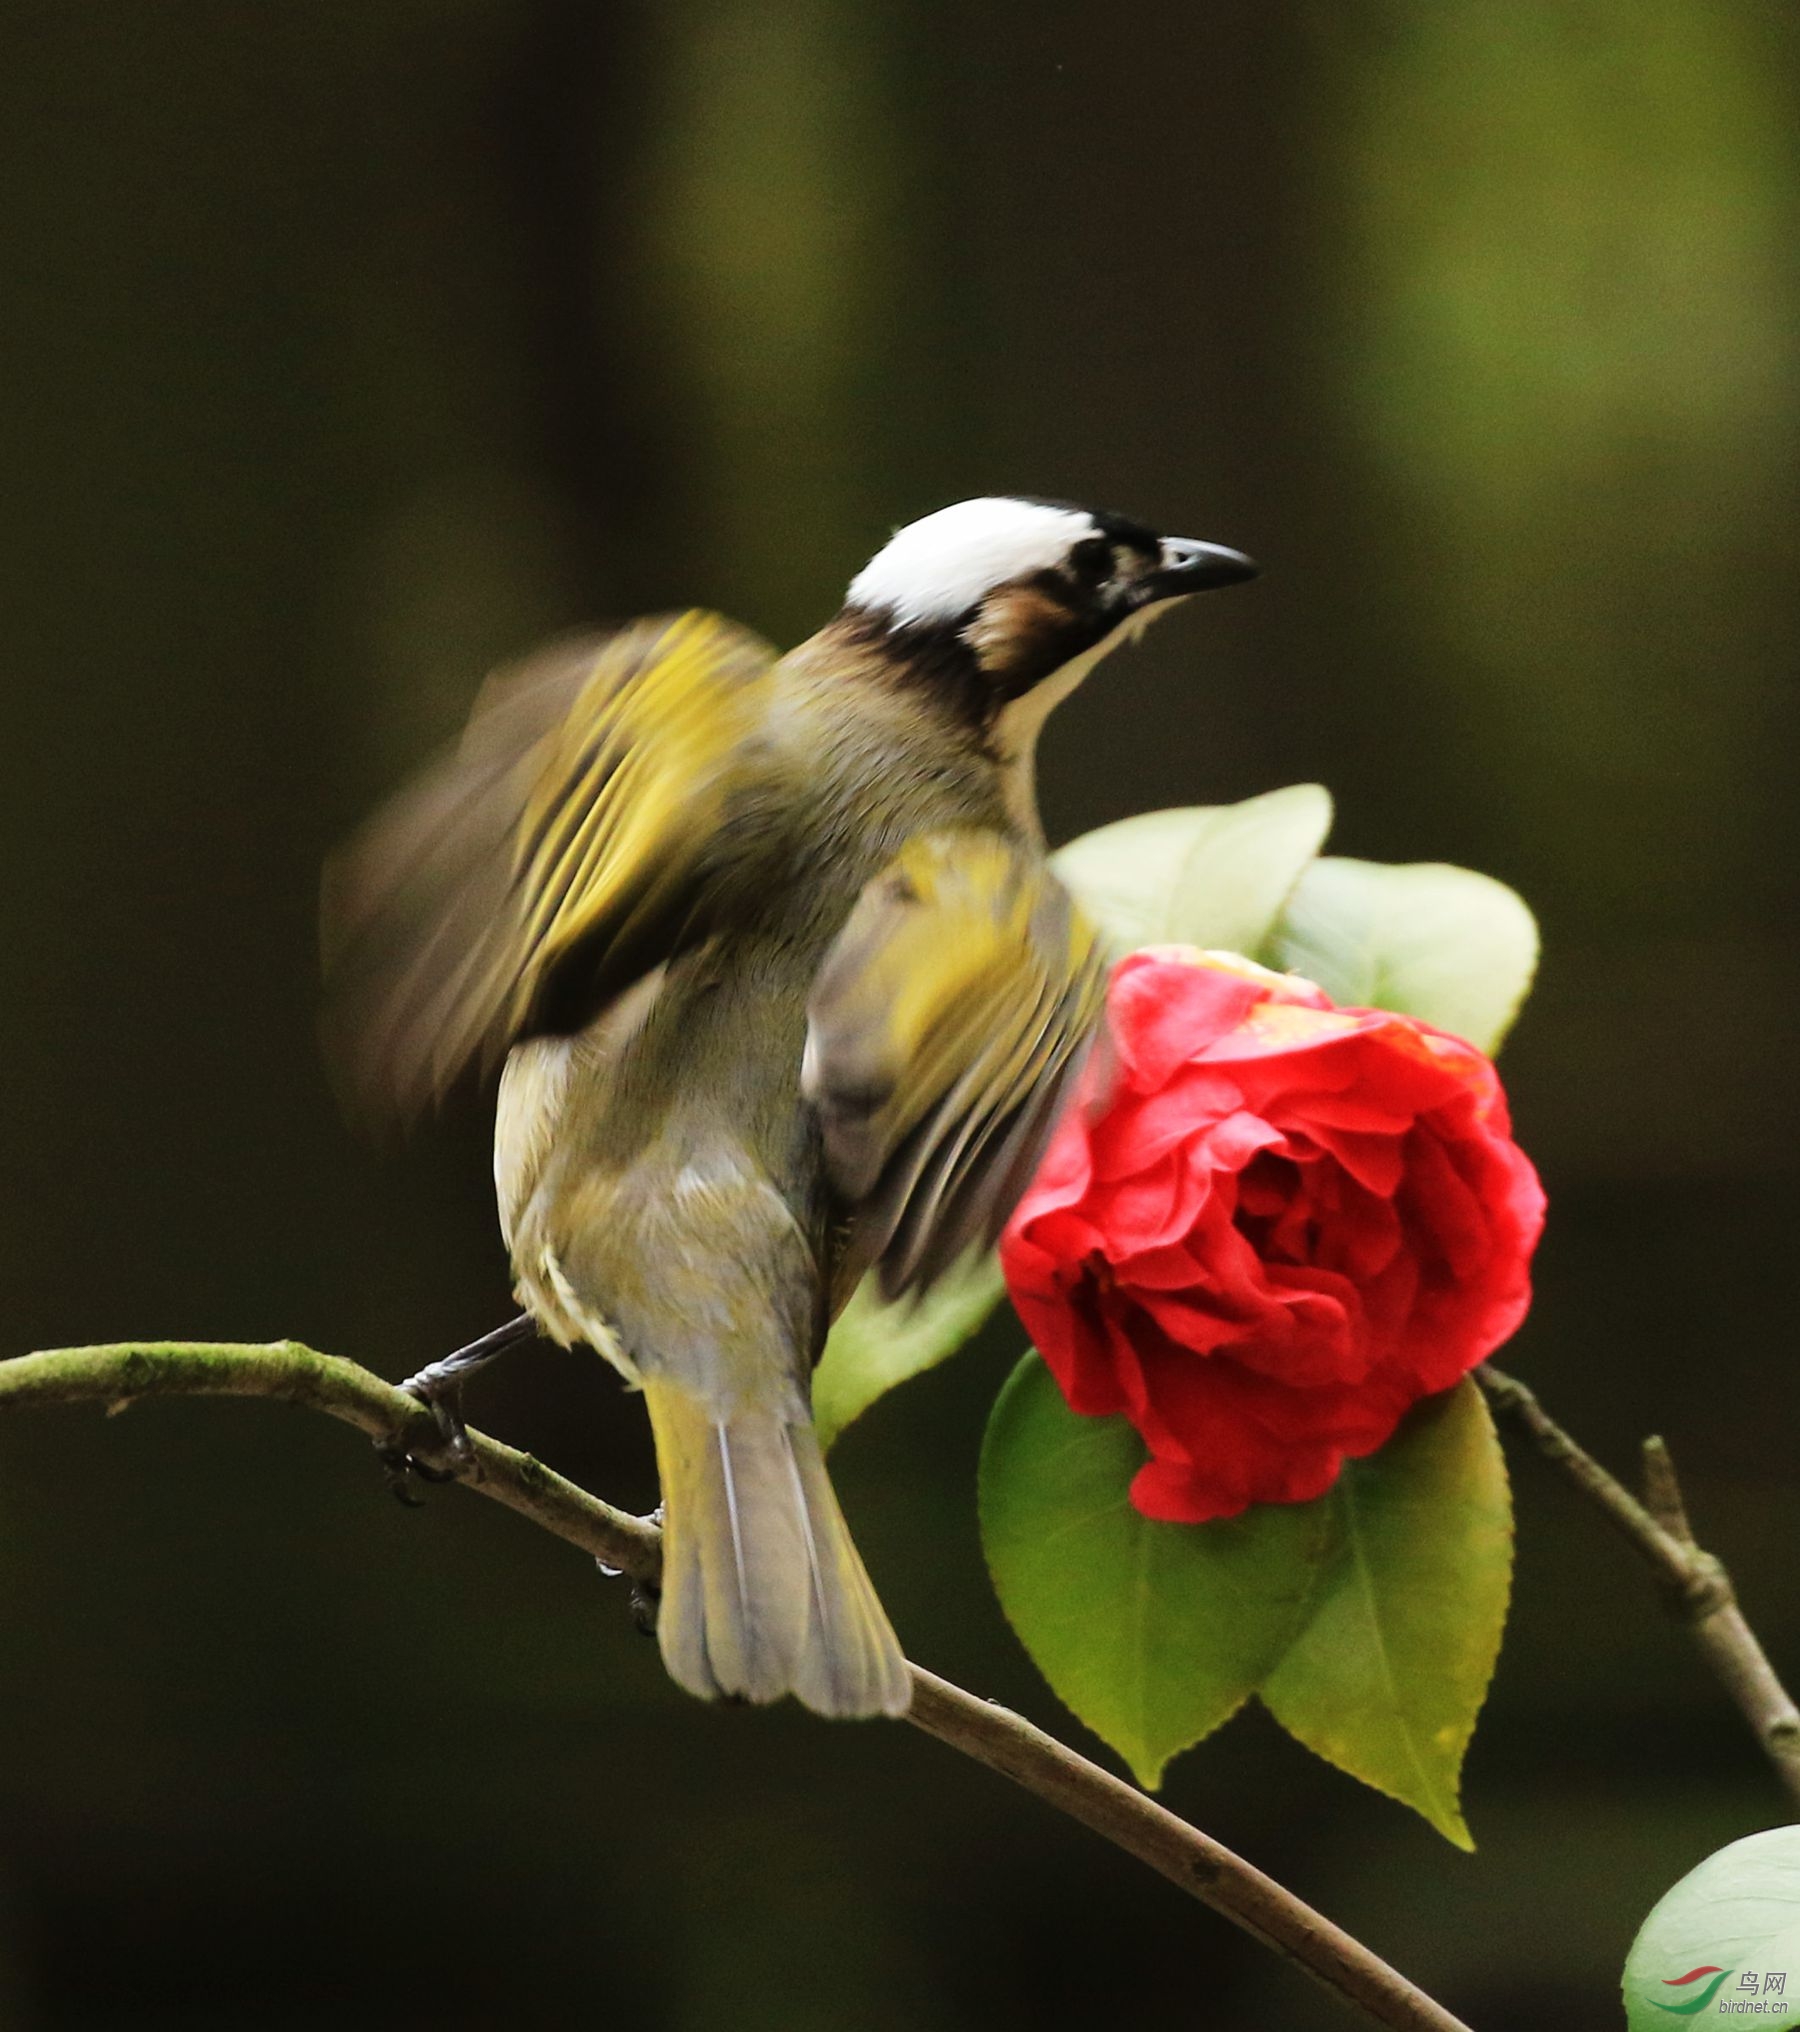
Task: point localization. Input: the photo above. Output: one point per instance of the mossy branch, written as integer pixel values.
(120, 1375)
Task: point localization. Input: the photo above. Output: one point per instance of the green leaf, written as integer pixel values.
(1214, 876)
(1737, 1914)
(1153, 1634)
(1447, 945)
(1387, 1676)
(875, 1345)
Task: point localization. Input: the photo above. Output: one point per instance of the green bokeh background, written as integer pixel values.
(346, 348)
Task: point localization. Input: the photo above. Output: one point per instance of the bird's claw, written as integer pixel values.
(645, 1596)
(645, 1601)
(438, 1386)
(402, 1468)
(443, 1399)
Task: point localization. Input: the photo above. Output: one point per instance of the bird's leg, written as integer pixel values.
(438, 1386)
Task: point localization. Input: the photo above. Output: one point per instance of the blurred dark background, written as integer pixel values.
(345, 349)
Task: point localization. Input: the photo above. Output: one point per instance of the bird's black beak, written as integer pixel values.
(1187, 566)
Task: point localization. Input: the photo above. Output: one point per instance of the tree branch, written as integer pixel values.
(1695, 1584)
(118, 1376)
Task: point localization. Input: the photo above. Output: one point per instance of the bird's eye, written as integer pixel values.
(1092, 560)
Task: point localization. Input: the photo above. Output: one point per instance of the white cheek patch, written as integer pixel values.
(943, 565)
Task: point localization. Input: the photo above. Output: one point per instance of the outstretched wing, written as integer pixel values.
(545, 863)
(943, 1034)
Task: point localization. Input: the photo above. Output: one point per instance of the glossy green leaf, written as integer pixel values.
(1729, 1931)
(1153, 1634)
(1214, 876)
(875, 1345)
(1387, 1676)
(1452, 947)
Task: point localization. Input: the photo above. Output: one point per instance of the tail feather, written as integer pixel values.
(763, 1591)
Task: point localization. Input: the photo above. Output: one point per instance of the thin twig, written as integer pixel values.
(119, 1375)
(1662, 1491)
(1695, 1583)
(1206, 1869)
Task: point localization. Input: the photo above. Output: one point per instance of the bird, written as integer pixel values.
(781, 992)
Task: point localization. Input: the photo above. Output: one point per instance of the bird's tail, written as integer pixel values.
(763, 1593)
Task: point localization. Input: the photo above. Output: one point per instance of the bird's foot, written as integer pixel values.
(645, 1598)
(645, 1601)
(442, 1398)
(438, 1386)
(404, 1469)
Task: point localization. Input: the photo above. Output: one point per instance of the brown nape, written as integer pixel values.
(970, 668)
(1020, 634)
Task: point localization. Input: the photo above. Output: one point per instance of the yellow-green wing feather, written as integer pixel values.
(943, 1033)
(545, 863)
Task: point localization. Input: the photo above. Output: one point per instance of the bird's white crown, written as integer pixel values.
(943, 565)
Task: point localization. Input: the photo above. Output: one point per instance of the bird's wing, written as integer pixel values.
(943, 1034)
(545, 863)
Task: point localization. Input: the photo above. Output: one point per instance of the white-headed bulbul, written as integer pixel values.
(783, 991)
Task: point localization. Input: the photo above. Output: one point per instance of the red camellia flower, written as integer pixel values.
(1267, 1227)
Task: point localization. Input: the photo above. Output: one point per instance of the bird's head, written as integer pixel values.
(1006, 604)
